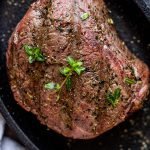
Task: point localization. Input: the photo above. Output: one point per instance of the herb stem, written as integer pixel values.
(62, 84)
(64, 81)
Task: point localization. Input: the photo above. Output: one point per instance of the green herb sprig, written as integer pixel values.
(34, 54)
(113, 97)
(74, 67)
(129, 81)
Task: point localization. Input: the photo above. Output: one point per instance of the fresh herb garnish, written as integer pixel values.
(52, 86)
(74, 66)
(113, 98)
(65, 71)
(129, 81)
(34, 54)
(85, 16)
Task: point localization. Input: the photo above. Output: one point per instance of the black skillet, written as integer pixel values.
(134, 134)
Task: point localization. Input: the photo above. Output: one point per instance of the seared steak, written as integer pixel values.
(113, 83)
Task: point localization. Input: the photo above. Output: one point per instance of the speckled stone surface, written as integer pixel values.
(133, 134)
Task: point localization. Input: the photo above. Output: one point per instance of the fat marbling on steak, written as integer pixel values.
(83, 30)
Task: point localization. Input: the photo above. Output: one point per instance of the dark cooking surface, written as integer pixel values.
(144, 5)
(133, 134)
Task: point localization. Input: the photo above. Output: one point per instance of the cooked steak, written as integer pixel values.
(67, 65)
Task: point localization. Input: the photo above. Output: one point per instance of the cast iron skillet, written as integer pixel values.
(133, 134)
(144, 5)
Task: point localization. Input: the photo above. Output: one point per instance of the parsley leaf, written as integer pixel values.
(76, 65)
(65, 71)
(117, 93)
(70, 61)
(113, 98)
(57, 87)
(85, 16)
(79, 70)
(34, 54)
(52, 86)
(129, 81)
(31, 59)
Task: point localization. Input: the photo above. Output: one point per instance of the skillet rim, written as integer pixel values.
(15, 127)
(144, 5)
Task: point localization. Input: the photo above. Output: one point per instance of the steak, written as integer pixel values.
(112, 83)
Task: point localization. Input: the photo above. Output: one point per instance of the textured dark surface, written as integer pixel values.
(133, 134)
(144, 5)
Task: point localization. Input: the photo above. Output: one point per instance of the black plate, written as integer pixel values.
(134, 134)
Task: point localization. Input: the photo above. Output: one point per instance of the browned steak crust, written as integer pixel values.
(57, 28)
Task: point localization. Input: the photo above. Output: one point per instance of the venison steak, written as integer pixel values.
(113, 82)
